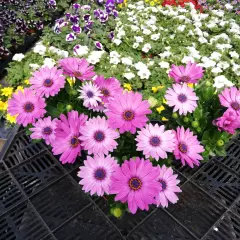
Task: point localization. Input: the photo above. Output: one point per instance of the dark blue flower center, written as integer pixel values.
(128, 115)
(99, 136)
(185, 79)
(90, 94)
(135, 183)
(28, 107)
(74, 141)
(182, 98)
(163, 184)
(155, 141)
(105, 92)
(235, 106)
(48, 83)
(100, 174)
(47, 131)
(183, 147)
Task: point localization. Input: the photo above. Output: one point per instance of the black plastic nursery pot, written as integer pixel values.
(41, 199)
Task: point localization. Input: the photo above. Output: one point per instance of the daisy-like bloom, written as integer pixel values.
(109, 87)
(97, 137)
(27, 105)
(155, 142)
(189, 74)
(182, 98)
(67, 135)
(91, 95)
(230, 98)
(77, 67)
(169, 188)
(127, 111)
(135, 182)
(187, 147)
(47, 81)
(44, 129)
(96, 174)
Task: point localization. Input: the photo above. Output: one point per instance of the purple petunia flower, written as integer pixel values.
(98, 45)
(86, 7)
(87, 17)
(70, 37)
(111, 35)
(77, 29)
(68, 15)
(76, 5)
(74, 19)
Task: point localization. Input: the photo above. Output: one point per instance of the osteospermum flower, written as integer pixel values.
(169, 188)
(189, 74)
(155, 142)
(27, 105)
(230, 98)
(77, 67)
(127, 111)
(187, 147)
(182, 98)
(97, 137)
(96, 174)
(67, 137)
(90, 94)
(109, 87)
(44, 129)
(47, 81)
(135, 182)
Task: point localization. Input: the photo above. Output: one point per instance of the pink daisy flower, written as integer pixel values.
(187, 147)
(135, 182)
(97, 137)
(191, 74)
(229, 122)
(96, 174)
(230, 98)
(182, 98)
(67, 137)
(47, 81)
(44, 129)
(90, 94)
(169, 188)
(109, 87)
(127, 111)
(27, 105)
(77, 67)
(155, 142)
(99, 108)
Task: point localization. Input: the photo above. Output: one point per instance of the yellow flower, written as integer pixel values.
(160, 109)
(152, 3)
(71, 81)
(164, 119)
(147, 1)
(11, 119)
(190, 85)
(123, 4)
(127, 86)
(155, 89)
(27, 82)
(3, 106)
(7, 91)
(19, 88)
(152, 101)
(164, 100)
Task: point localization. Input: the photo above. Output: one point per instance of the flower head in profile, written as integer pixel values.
(135, 182)
(97, 138)
(127, 111)
(182, 98)
(27, 105)
(155, 142)
(47, 81)
(187, 148)
(67, 141)
(44, 129)
(77, 67)
(189, 74)
(169, 188)
(230, 98)
(96, 174)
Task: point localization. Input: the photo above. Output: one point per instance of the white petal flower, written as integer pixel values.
(18, 57)
(163, 64)
(49, 62)
(127, 61)
(129, 75)
(146, 47)
(221, 81)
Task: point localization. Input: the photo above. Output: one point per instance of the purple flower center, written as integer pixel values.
(182, 98)
(128, 115)
(183, 147)
(100, 174)
(47, 131)
(185, 79)
(74, 141)
(99, 136)
(78, 74)
(163, 184)
(48, 83)
(105, 92)
(90, 94)
(28, 107)
(135, 183)
(155, 141)
(235, 106)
